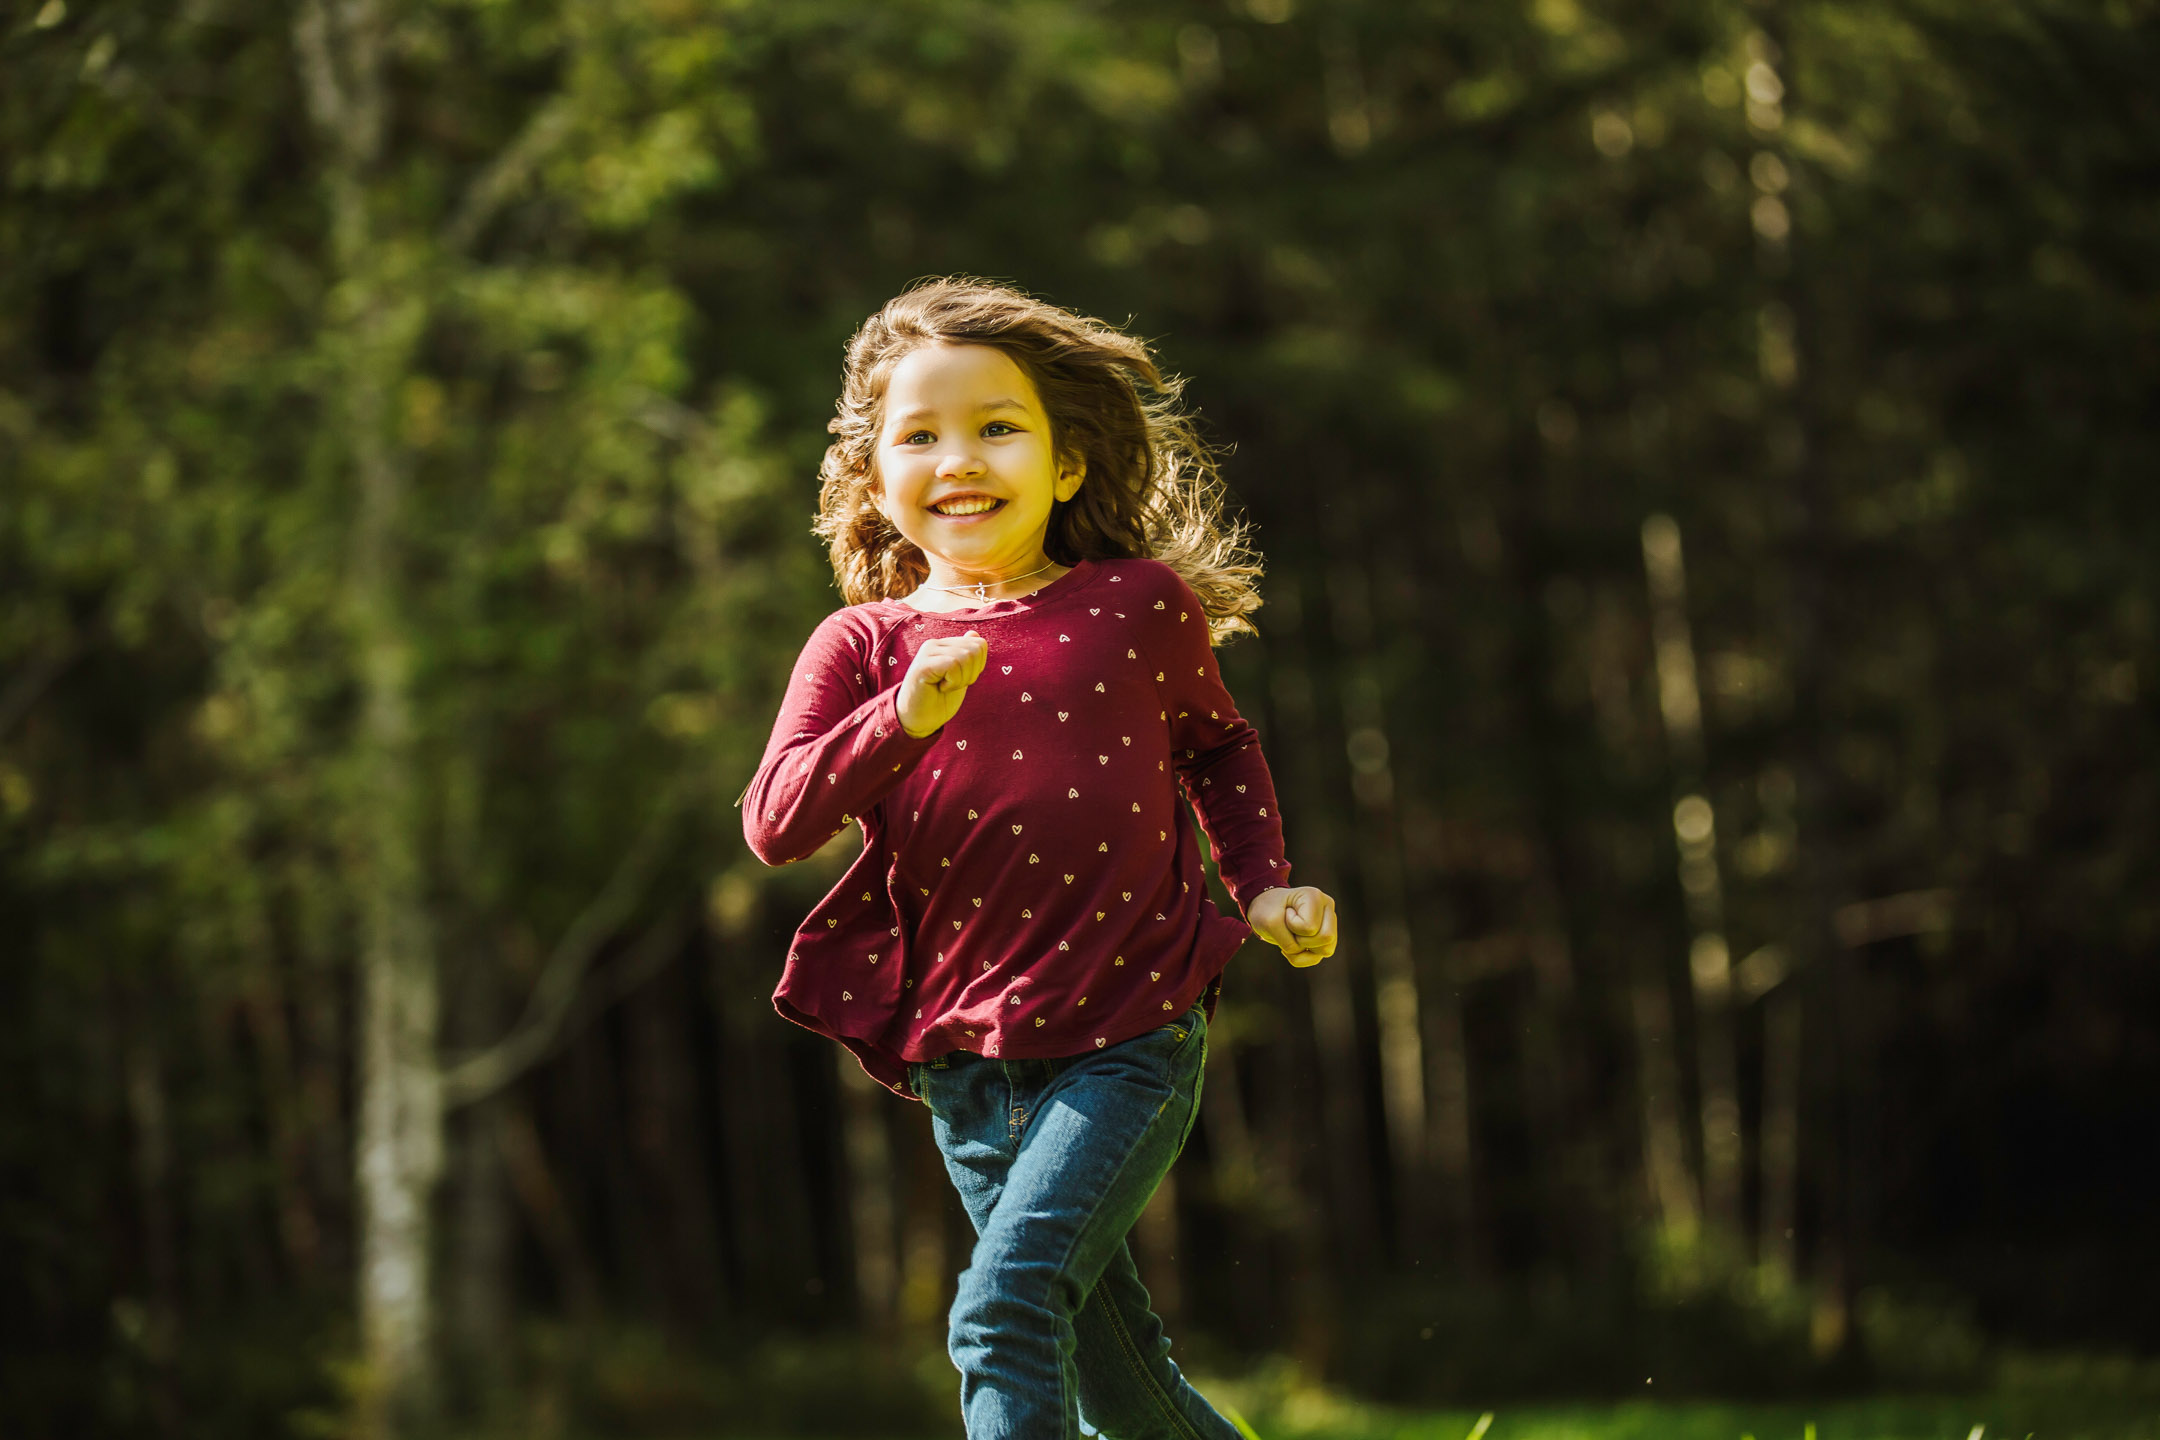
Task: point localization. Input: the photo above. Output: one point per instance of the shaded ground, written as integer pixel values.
(804, 1390)
(2009, 1417)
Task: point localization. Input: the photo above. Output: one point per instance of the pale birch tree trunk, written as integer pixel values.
(1679, 706)
(401, 1106)
(1665, 1169)
(368, 337)
(1695, 830)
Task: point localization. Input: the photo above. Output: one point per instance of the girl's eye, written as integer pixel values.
(999, 427)
(920, 437)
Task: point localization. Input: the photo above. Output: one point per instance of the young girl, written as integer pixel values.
(1011, 705)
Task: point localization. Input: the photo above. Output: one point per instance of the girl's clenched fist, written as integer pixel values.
(1298, 921)
(937, 681)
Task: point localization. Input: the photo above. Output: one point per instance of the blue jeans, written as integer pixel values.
(1055, 1159)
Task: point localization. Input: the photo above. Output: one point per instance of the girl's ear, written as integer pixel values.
(1069, 479)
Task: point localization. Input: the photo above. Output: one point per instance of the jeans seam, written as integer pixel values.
(1013, 1131)
(1192, 1117)
(1064, 1265)
(1162, 1399)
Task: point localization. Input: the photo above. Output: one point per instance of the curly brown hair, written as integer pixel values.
(1151, 489)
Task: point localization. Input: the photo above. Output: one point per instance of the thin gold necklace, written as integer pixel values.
(981, 587)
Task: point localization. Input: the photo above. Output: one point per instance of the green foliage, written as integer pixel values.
(1860, 295)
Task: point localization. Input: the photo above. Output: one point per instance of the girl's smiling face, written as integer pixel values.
(965, 463)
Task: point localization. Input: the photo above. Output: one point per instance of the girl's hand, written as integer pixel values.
(937, 681)
(1298, 921)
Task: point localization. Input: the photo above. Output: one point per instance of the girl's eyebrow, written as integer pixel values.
(924, 412)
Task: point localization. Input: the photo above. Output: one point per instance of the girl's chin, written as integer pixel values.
(966, 561)
(973, 546)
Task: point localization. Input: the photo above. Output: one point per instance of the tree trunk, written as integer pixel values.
(1222, 1108)
(1695, 832)
(477, 1286)
(868, 1147)
(925, 1273)
(368, 336)
(1780, 1132)
(1787, 333)
(525, 1165)
(1447, 1080)
(1672, 1194)
(153, 1193)
(399, 1148)
(284, 1102)
(1346, 1148)
(1321, 1155)
(1398, 1028)
(674, 1210)
(1553, 1066)
(401, 1110)
(767, 1189)
(1155, 1243)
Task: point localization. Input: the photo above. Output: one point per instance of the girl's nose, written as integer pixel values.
(958, 465)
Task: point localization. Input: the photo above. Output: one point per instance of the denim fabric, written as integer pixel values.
(1055, 1159)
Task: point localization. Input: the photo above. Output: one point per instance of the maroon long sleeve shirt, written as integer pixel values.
(1029, 886)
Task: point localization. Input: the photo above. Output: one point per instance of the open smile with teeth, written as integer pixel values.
(968, 505)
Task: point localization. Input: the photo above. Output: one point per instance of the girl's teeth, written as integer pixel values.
(967, 507)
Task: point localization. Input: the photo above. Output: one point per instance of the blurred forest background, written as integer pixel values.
(1705, 453)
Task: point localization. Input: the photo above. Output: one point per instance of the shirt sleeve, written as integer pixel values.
(837, 748)
(1217, 753)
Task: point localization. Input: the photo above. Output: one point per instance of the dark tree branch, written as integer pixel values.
(340, 45)
(555, 997)
(495, 186)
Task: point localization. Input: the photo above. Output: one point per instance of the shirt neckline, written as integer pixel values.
(1082, 573)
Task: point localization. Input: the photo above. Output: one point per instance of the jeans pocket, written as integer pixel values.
(1181, 1030)
(936, 1080)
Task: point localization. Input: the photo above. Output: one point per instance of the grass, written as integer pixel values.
(1915, 1418)
(1897, 1419)
(2059, 1417)
(637, 1385)
(2024, 1398)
